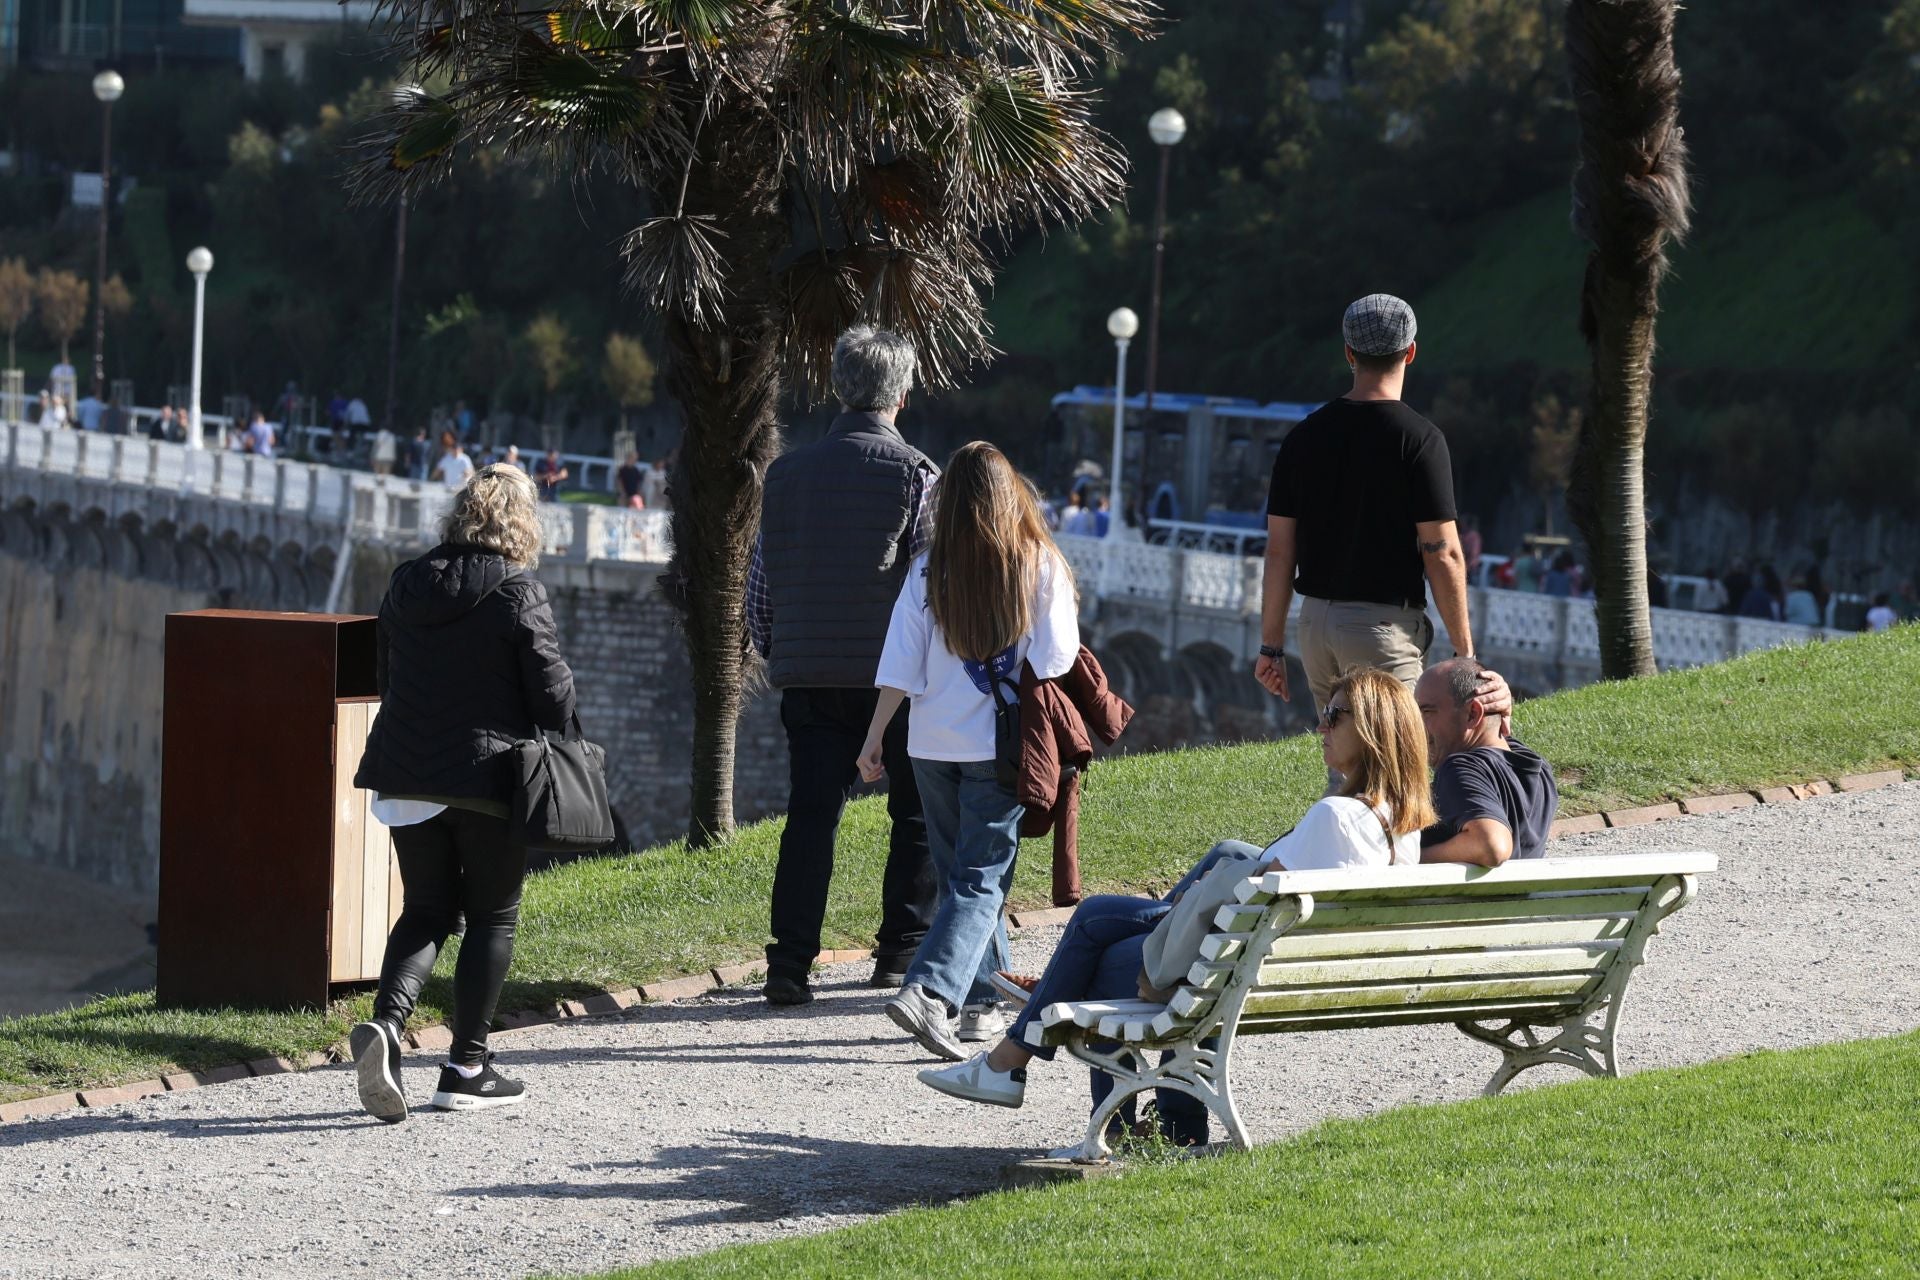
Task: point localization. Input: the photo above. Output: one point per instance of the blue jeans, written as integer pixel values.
(1099, 957)
(973, 835)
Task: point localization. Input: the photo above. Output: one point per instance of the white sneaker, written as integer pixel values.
(975, 1081)
(926, 1019)
(981, 1023)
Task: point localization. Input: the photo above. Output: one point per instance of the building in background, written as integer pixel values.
(53, 35)
(275, 35)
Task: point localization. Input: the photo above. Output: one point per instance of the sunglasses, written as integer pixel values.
(1330, 716)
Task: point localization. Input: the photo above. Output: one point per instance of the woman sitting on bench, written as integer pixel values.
(1120, 948)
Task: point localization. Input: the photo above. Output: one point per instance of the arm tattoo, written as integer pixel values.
(1434, 548)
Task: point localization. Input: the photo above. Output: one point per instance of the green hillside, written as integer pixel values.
(1773, 279)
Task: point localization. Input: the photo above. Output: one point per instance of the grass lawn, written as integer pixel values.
(1790, 715)
(1769, 1165)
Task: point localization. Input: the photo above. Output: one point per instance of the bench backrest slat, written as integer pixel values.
(1270, 1004)
(1454, 910)
(1470, 936)
(1590, 958)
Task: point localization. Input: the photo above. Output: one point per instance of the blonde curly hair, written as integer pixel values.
(498, 508)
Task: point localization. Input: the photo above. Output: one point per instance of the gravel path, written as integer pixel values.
(685, 1127)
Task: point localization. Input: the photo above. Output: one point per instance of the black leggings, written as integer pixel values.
(458, 862)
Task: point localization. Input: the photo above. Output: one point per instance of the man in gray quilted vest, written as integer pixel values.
(840, 521)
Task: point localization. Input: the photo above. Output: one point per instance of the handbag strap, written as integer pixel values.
(571, 733)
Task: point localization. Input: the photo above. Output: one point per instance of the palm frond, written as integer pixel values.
(406, 149)
(1014, 150)
(676, 265)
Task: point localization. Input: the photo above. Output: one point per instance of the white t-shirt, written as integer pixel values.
(453, 469)
(1339, 831)
(952, 716)
(385, 447)
(1079, 522)
(1880, 617)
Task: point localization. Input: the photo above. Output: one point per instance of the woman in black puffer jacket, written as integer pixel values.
(468, 665)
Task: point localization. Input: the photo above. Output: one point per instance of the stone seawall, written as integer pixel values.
(80, 666)
(82, 652)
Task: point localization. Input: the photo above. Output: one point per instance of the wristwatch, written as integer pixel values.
(1272, 651)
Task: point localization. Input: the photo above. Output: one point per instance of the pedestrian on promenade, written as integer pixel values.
(550, 473)
(840, 521)
(631, 480)
(418, 454)
(260, 436)
(468, 664)
(385, 450)
(1763, 598)
(1881, 616)
(1802, 607)
(1077, 520)
(454, 465)
(1361, 509)
(1738, 582)
(992, 592)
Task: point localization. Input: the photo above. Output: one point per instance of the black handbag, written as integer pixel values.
(560, 793)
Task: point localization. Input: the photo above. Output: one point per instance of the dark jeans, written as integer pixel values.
(825, 731)
(458, 862)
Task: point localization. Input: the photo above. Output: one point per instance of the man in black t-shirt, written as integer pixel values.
(1496, 797)
(1360, 518)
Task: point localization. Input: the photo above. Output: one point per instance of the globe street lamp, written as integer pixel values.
(1166, 127)
(107, 86)
(200, 261)
(1122, 324)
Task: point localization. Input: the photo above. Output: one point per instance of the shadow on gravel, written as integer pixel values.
(768, 1177)
(764, 1053)
(82, 1124)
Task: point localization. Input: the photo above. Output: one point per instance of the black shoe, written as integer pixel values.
(376, 1060)
(888, 973)
(488, 1089)
(782, 990)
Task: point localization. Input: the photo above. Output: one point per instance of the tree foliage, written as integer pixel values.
(17, 293)
(628, 371)
(806, 165)
(60, 301)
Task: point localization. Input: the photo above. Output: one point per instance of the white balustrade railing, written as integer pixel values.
(374, 508)
(1505, 622)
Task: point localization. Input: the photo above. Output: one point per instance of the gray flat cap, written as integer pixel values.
(1379, 325)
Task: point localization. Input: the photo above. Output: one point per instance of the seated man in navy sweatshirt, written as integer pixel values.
(1496, 797)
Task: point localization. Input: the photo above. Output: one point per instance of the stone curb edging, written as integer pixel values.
(436, 1037)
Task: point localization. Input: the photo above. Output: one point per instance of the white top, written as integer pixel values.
(453, 469)
(1339, 831)
(403, 813)
(952, 716)
(1880, 617)
(385, 447)
(1079, 521)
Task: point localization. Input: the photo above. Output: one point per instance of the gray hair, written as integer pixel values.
(1462, 676)
(872, 368)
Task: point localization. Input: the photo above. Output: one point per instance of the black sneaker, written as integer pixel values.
(488, 1089)
(889, 972)
(783, 990)
(376, 1060)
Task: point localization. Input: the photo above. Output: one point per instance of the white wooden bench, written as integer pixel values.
(1532, 957)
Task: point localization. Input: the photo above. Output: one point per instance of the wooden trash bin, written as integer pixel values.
(276, 882)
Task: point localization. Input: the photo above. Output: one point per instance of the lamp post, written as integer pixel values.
(107, 86)
(200, 261)
(1166, 127)
(1122, 324)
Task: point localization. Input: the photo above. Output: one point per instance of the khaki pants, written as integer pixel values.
(1339, 635)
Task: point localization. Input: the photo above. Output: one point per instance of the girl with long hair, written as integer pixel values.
(1121, 948)
(991, 592)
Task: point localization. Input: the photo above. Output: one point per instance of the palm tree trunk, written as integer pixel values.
(1630, 197)
(728, 384)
